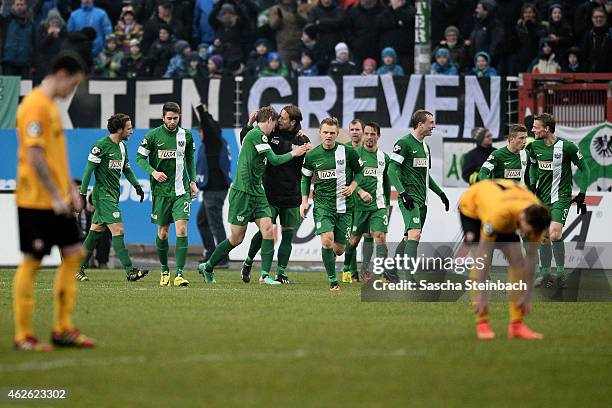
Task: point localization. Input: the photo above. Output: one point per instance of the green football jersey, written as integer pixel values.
(503, 164)
(375, 179)
(110, 159)
(333, 169)
(171, 153)
(554, 168)
(413, 158)
(252, 163)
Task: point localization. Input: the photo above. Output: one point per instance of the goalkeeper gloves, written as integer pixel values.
(580, 205)
(140, 193)
(407, 200)
(444, 199)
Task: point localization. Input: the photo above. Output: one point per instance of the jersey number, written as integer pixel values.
(187, 207)
(385, 220)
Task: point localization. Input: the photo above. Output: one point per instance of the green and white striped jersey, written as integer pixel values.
(375, 179)
(503, 164)
(413, 158)
(109, 159)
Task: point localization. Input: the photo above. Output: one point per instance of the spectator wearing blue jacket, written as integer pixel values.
(444, 64)
(202, 31)
(389, 63)
(213, 178)
(482, 67)
(16, 40)
(94, 17)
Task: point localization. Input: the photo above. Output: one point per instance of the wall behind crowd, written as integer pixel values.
(291, 38)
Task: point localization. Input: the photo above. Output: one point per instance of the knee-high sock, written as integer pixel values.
(122, 253)
(349, 253)
(284, 251)
(516, 313)
(23, 297)
(399, 251)
(483, 317)
(367, 250)
(381, 251)
(65, 290)
(329, 260)
(89, 245)
(180, 253)
(267, 253)
(558, 249)
(221, 251)
(353, 265)
(411, 253)
(162, 252)
(545, 257)
(254, 248)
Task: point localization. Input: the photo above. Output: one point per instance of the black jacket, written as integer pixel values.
(488, 36)
(473, 161)
(362, 31)
(282, 183)
(396, 28)
(597, 50)
(329, 23)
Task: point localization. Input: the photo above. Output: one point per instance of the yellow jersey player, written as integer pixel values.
(46, 199)
(496, 211)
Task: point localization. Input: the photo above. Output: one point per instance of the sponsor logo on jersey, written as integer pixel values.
(544, 165)
(114, 164)
(275, 140)
(326, 174)
(419, 162)
(95, 150)
(370, 171)
(512, 173)
(166, 154)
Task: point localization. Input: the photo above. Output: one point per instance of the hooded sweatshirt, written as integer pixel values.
(488, 71)
(392, 68)
(448, 69)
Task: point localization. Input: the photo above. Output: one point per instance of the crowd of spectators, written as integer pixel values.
(289, 38)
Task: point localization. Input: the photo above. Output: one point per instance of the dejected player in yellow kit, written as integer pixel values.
(493, 214)
(46, 201)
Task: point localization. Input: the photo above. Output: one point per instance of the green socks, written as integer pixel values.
(162, 253)
(267, 253)
(284, 251)
(350, 253)
(545, 258)
(381, 251)
(122, 253)
(254, 248)
(222, 250)
(89, 245)
(180, 252)
(411, 252)
(558, 250)
(329, 260)
(367, 250)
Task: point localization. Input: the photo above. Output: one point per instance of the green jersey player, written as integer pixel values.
(167, 155)
(550, 176)
(247, 199)
(107, 159)
(371, 215)
(509, 162)
(409, 174)
(337, 169)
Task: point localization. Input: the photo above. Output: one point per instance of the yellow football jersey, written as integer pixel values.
(39, 124)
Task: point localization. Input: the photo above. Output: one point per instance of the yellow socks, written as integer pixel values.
(65, 290)
(23, 297)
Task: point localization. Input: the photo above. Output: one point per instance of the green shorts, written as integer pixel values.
(370, 221)
(415, 218)
(330, 221)
(167, 210)
(289, 217)
(559, 210)
(245, 208)
(106, 212)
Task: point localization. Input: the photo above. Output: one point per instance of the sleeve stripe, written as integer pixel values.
(143, 151)
(396, 158)
(488, 165)
(306, 172)
(261, 147)
(94, 159)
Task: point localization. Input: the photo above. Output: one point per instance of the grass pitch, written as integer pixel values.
(233, 344)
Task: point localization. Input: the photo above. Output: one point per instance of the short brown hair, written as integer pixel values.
(515, 130)
(331, 121)
(171, 107)
(419, 116)
(117, 122)
(294, 113)
(538, 216)
(357, 121)
(374, 126)
(266, 113)
(548, 121)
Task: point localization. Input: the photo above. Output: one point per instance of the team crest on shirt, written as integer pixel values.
(557, 155)
(181, 143)
(488, 229)
(95, 150)
(340, 162)
(34, 129)
(381, 162)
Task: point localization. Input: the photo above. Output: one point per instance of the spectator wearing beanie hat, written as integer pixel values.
(310, 42)
(215, 66)
(342, 65)
(135, 65)
(457, 49)
(128, 29)
(258, 59)
(275, 67)
(369, 66)
(444, 63)
(389, 63)
(178, 64)
(108, 62)
(194, 66)
(482, 69)
(474, 159)
(306, 65)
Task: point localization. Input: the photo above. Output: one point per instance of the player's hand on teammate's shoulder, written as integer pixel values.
(300, 150)
(159, 176)
(365, 196)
